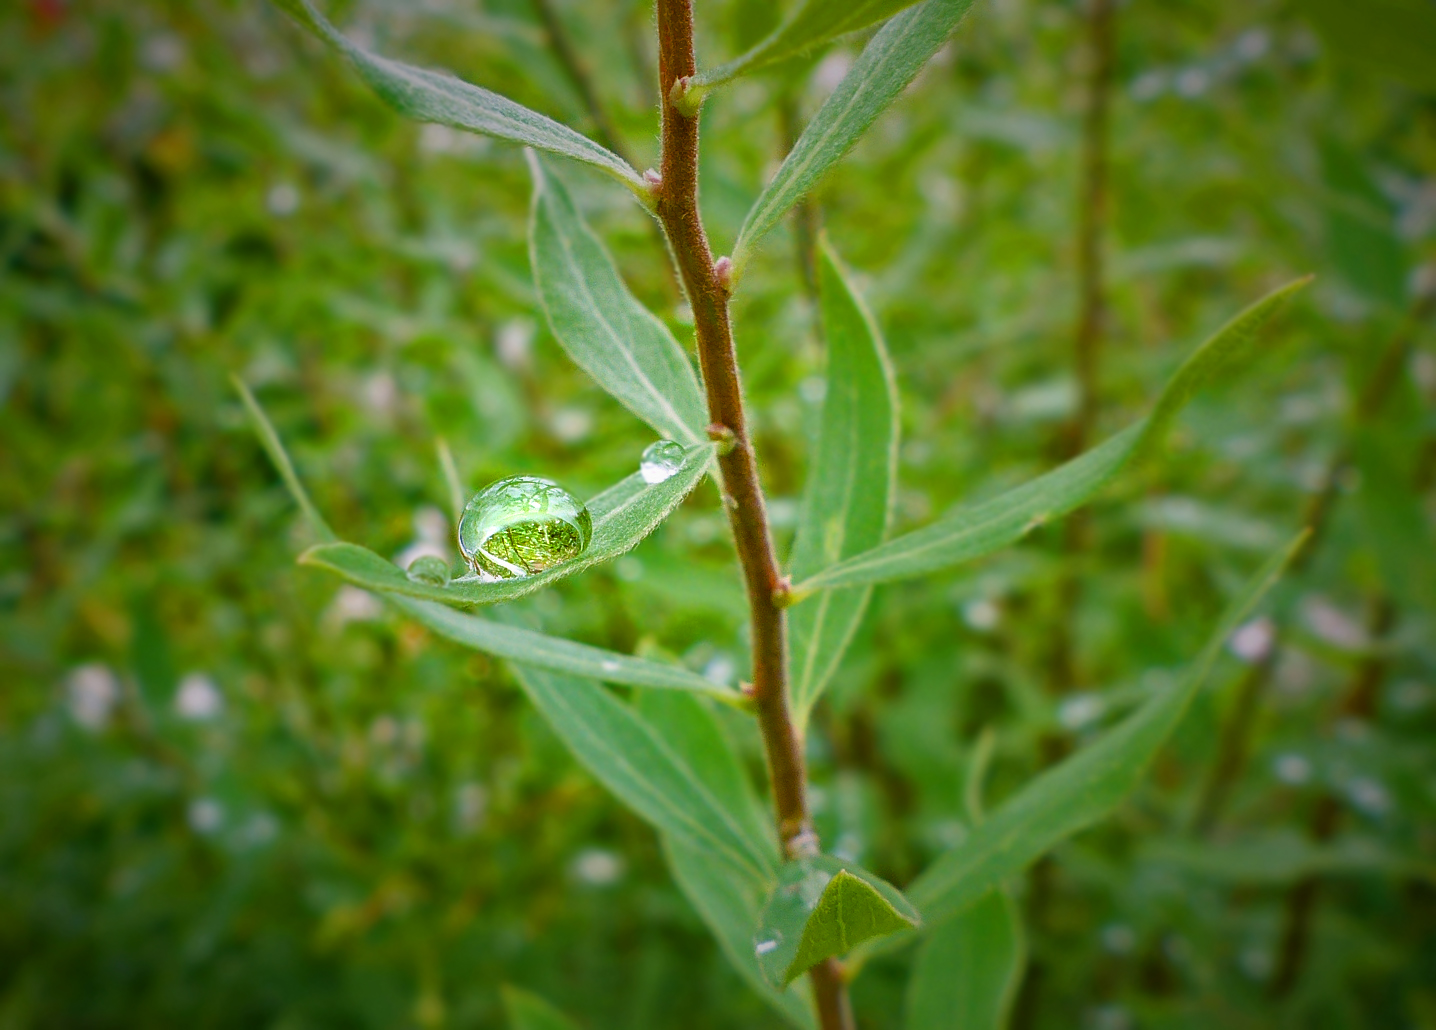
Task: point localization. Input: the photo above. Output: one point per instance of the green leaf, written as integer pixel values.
(530, 1012)
(693, 731)
(431, 96)
(622, 516)
(847, 505)
(558, 655)
(602, 326)
(274, 447)
(821, 907)
(1361, 229)
(968, 969)
(889, 62)
(1084, 788)
(812, 23)
(630, 758)
(1393, 38)
(728, 900)
(979, 530)
(730, 906)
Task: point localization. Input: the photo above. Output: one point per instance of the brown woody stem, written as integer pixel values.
(676, 197)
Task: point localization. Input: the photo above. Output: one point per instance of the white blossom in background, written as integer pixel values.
(92, 691)
(597, 867)
(720, 669)
(1369, 795)
(571, 425)
(198, 698)
(204, 815)
(830, 71)
(982, 615)
(1332, 624)
(282, 200)
(353, 605)
(471, 803)
(1078, 711)
(1293, 770)
(1252, 642)
(514, 344)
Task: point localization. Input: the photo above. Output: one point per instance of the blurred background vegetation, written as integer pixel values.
(234, 794)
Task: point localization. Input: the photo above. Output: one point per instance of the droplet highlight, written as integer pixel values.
(660, 461)
(522, 525)
(429, 569)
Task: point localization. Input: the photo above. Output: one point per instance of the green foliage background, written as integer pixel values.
(373, 829)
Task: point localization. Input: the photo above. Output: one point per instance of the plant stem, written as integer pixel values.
(676, 199)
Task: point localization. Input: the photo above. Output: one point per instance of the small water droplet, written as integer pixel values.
(660, 461)
(430, 570)
(763, 947)
(522, 525)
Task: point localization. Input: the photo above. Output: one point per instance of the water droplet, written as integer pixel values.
(660, 461)
(430, 570)
(763, 947)
(522, 525)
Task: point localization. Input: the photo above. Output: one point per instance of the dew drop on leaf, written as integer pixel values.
(429, 569)
(522, 525)
(660, 461)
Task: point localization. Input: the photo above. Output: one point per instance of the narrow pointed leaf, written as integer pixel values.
(693, 731)
(821, 907)
(847, 505)
(602, 326)
(556, 654)
(983, 528)
(622, 516)
(728, 901)
(889, 62)
(812, 23)
(730, 906)
(633, 761)
(1084, 788)
(528, 1011)
(274, 447)
(432, 96)
(968, 969)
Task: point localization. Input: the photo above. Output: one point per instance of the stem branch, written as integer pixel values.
(676, 205)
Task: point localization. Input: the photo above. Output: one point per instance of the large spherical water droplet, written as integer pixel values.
(430, 570)
(660, 461)
(522, 525)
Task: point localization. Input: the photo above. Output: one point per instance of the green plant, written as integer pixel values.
(779, 906)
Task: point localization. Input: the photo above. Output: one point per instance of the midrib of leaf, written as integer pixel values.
(751, 862)
(1008, 517)
(448, 100)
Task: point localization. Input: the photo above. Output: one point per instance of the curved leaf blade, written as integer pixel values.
(527, 1011)
(622, 516)
(274, 448)
(847, 504)
(630, 758)
(730, 906)
(889, 62)
(556, 654)
(822, 906)
(727, 900)
(979, 530)
(968, 970)
(1083, 789)
(601, 325)
(812, 23)
(432, 96)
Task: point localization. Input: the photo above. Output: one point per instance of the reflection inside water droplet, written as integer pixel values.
(660, 461)
(430, 570)
(522, 525)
